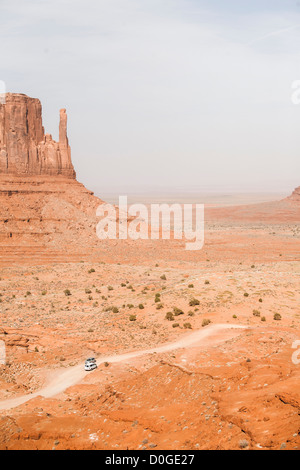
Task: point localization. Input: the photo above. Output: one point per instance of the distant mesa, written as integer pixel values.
(25, 149)
(295, 195)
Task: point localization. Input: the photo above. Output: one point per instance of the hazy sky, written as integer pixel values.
(192, 94)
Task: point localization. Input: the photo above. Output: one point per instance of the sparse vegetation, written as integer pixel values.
(243, 444)
(177, 311)
(169, 316)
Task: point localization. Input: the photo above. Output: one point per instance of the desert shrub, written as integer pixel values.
(90, 330)
(67, 292)
(260, 300)
(277, 316)
(190, 286)
(88, 291)
(177, 311)
(187, 326)
(191, 313)
(130, 306)
(246, 294)
(206, 282)
(141, 307)
(44, 292)
(206, 322)
(115, 310)
(175, 325)
(106, 364)
(132, 318)
(243, 444)
(194, 302)
(92, 270)
(123, 284)
(263, 318)
(28, 293)
(90, 297)
(234, 316)
(110, 288)
(256, 313)
(169, 316)
(159, 306)
(163, 277)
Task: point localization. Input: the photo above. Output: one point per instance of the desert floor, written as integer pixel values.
(221, 387)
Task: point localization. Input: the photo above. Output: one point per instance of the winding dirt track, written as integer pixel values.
(76, 374)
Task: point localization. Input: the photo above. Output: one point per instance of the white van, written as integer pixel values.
(90, 366)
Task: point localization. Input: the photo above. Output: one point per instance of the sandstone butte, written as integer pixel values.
(44, 209)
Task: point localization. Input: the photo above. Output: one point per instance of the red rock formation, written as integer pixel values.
(25, 149)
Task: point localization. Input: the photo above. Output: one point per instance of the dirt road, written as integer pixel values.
(75, 374)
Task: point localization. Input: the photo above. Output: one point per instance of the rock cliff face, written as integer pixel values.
(25, 149)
